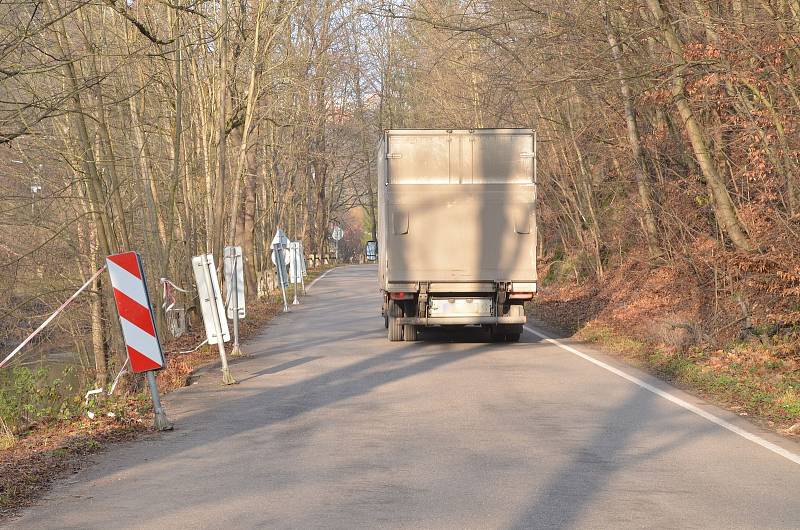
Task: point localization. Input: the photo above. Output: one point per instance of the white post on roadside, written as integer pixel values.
(233, 283)
(337, 234)
(236, 349)
(304, 271)
(211, 301)
(295, 301)
(280, 265)
(295, 268)
(227, 377)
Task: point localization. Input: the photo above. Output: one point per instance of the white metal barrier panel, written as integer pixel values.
(212, 309)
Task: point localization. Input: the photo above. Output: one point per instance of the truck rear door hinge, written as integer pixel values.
(423, 292)
(393, 155)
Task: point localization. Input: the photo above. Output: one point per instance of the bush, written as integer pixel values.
(27, 396)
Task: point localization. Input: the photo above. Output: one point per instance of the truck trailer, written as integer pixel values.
(456, 229)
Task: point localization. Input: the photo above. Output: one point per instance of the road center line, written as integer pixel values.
(674, 399)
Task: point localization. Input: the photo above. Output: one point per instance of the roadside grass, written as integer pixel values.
(745, 379)
(52, 434)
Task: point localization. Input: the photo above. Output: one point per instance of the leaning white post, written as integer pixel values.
(210, 303)
(280, 265)
(236, 350)
(232, 281)
(295, 268)
(227, 378)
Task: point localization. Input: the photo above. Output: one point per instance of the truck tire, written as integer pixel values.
(496, 334)
(395, 327)
(513, 333)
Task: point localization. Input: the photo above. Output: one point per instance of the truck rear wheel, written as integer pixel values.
(496, 334)
(395, 327)
(513, 333)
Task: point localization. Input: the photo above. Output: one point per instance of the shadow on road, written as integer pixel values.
(570, 492)
(281, 367)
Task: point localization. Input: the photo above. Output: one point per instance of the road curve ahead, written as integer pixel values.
(334, 427)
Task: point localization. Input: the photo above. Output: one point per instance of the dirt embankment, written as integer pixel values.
(678, 327)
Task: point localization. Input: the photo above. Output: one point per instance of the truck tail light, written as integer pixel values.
(521, 296)
(522, 291)
(401, 296)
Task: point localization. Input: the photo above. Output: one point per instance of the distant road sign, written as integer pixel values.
(337, 234)
(286, 256)
(280, 239)
(371, 250)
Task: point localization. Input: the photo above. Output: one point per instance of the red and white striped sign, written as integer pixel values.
(135, 312)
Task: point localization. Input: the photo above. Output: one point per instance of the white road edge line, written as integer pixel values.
(674, 399)
(318, 278)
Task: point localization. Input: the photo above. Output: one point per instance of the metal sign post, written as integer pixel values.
(211, 307)
(236, 351)
(279, 259)
(138, 324)
(234, 285)
(295, 268)
(304, 272)
(160, 421)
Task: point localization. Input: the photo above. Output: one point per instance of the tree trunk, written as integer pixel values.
(724, 209)
(641, 175)
(219, 190)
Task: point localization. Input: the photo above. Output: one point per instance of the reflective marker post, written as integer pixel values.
(138, 324)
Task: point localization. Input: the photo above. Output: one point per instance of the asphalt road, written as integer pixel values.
(332, 426)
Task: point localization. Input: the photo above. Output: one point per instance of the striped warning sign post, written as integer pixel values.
(137, 322)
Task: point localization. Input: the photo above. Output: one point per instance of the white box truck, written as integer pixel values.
(456, 229)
